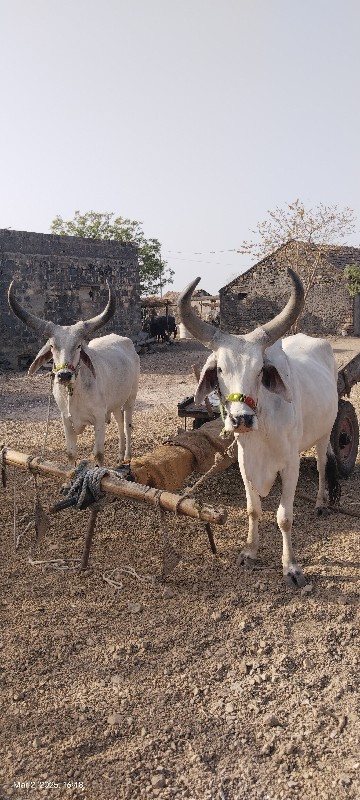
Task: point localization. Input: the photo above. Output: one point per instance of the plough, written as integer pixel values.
(148, 471)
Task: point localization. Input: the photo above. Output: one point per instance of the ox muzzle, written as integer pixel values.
(240, 413)
(64, 373)
(64, 376)
(242, 423)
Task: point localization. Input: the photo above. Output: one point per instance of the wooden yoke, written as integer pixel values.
(121, 488)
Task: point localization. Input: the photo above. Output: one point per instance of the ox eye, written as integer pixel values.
(219, 369)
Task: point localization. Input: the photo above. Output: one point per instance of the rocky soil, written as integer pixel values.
(219, 684)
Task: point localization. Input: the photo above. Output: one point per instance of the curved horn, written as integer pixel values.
(277, 327)
(201, 330)
(94, 323)
(37, 324)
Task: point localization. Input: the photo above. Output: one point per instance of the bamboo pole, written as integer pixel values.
(121, 488)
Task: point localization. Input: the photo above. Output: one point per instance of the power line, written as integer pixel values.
(200, 261)
(202, 252)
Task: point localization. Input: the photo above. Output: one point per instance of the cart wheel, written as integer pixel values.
(345, 438)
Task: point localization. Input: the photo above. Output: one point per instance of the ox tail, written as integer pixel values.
(332, 477)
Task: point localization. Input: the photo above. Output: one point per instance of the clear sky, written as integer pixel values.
(194, 116)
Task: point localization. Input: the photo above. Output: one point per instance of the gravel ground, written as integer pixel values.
(218, 685)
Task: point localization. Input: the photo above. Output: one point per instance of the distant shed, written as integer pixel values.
(262, 291)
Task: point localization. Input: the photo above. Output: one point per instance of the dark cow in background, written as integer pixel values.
(161, 328)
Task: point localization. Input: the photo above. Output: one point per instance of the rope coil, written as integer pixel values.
(84, 488)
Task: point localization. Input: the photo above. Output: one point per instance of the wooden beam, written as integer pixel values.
(121, 488)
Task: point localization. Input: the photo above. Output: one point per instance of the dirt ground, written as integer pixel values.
(219, 685)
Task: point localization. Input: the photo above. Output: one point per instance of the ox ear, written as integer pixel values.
(276, 376)
(208, 379)
(85, 357)
(44, 355)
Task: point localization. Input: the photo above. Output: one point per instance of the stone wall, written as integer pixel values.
(63, 279)
(261, 292)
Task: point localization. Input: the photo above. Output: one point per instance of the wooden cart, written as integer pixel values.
(345, 433)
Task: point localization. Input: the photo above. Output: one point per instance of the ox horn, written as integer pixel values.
(277, 327)
(203, 331)
(94, 323)
(36, 323)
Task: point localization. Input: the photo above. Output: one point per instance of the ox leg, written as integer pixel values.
(70, 438)
(293, 574)
(322, 495)
(247, 557)
(128, 412)
(119, 416)
(99, 442)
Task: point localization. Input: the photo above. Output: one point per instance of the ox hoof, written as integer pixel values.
(244, 560)
(295, 578)
(322, 511)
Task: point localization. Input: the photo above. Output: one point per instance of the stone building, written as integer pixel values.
(63, 279)
(262, 291)
(203, 303)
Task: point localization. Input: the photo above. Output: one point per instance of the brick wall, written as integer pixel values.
(261, 292)
(63, 279)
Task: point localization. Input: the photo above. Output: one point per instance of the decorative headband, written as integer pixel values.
(64, 366)
(239, 397)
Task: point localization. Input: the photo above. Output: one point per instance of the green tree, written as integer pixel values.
(309, 233)
(352, 277)
(154, 272)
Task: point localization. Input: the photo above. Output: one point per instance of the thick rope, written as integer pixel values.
(47, 420)
(85, 486)
(170, 556)
(216, 467)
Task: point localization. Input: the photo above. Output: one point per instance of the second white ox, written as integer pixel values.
(91, 381)
(279, 399)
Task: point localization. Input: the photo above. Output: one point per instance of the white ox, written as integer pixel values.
(90, 381)
(279, 399)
